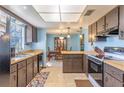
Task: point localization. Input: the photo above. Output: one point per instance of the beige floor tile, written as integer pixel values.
(57, 78)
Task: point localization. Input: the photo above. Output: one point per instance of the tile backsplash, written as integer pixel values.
(112, 41)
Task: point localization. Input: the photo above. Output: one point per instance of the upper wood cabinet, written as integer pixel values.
(28, 34)
(121, 22)
(94, 30)
(112, 19)
(34, 34)
(90, 33)
(100, 25)
(31, 34)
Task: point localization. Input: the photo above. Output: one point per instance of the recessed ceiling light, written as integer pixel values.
(24, 7)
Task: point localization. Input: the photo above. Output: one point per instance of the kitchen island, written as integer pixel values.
(24, 67)
(75, 61)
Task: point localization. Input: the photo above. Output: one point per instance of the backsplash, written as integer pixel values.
(112, 41)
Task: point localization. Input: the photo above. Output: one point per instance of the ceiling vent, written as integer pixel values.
(89, 12)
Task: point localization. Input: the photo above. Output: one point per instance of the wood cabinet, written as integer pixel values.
(110, 81)
(77, 65)
(112, 20)
(22, 74)
(72, 63)
(121, 22)
(113, 77)
(34, 34)
(35, 65)
(31, 34)
(94, 31)
(100, 25)
(13, 75)
(90, 33)
(29, 69)
(28, 34)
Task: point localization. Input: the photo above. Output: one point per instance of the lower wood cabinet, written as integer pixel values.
(13, 75)
(29, 69)
(72, 63)
(67, 67)
(110, 81)
(22, 74)
(113, 77)
(35, 65)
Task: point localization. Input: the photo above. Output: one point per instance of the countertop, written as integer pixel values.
(28, 54)
(79, 52)
(115, 63)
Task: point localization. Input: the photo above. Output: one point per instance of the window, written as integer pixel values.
(17, 35)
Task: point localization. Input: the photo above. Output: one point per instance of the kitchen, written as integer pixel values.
(37, 50)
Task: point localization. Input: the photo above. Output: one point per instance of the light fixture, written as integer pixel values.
(24, 7)
(61, 37)
(80, 36)
(80, 32)
(68, 36)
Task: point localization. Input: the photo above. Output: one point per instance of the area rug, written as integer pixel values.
(83, 83)
(39, 80)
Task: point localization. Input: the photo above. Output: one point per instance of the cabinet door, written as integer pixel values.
(35, 65)
(13, 79)
(29, 70)
(94, 30)
(112, 19)
(90, 33)
(34, 34)
(100, 25)
(110, 81)
(121, 24)
(77, 66)
(13, 75)
(22, 77)
(29, 37)
(67, 66)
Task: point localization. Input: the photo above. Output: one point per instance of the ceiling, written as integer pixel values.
(60, 13)
(56, 18)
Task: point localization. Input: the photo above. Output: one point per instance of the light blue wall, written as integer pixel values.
(73, 41)
(41, 44)
(111, 41)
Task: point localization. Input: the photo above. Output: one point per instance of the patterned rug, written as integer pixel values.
(39, 80)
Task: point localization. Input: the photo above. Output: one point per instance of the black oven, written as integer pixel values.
(95, 70)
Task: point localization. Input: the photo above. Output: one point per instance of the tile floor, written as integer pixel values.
(57, 78)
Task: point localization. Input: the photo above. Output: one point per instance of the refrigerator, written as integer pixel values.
(4, 51)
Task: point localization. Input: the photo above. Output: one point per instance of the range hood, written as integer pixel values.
(101, 38)
(112, 32)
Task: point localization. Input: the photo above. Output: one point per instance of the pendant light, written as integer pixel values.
(68, 36)
(80, 32)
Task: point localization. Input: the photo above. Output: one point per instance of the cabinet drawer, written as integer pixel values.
(13, 68)
(21, 64)
(118, 74)
(110, 81)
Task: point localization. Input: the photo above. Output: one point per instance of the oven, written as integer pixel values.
(95, 71)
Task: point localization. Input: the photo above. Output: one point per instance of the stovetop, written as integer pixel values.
(108, 56)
